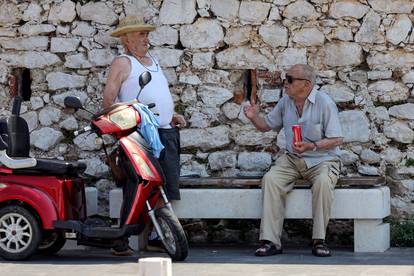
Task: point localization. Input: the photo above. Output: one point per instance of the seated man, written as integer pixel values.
(315, 158)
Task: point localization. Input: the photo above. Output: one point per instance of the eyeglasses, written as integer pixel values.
(291, 79)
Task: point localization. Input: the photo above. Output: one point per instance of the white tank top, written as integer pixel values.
(156, 91)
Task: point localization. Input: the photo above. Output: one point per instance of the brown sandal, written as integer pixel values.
(321, 250)
(268, 249)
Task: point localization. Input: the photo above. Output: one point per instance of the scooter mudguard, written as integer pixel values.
(37, 199)
(140, 155)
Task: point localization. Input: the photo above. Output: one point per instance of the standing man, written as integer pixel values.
(122, 86)
(315, 159)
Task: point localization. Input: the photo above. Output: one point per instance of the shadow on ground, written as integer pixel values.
(234, 255)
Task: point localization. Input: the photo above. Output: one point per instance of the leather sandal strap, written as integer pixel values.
(321, 249)
(265, 247)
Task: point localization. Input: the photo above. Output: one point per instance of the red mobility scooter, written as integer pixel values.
(42, 201)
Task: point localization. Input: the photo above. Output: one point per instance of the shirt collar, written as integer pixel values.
(312, 95)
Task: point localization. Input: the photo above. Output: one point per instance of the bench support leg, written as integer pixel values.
(371, 235)
(139, 243)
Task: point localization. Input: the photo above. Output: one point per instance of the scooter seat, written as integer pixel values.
(54, 167)
(59, 167)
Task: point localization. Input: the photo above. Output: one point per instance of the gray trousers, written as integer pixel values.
(279, 181)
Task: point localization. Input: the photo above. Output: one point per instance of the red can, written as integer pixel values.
(297, 134)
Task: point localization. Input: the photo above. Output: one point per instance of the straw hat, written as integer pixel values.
(132, 24)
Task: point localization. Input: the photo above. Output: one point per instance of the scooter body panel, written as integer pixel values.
(147, 167)
(141, 162)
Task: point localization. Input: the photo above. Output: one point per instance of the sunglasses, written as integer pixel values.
(291, 79)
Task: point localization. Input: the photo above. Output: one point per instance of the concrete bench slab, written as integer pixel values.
(367, 207)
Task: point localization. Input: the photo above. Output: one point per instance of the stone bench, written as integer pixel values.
(363, 199)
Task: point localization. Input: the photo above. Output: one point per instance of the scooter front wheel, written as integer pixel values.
(20, 233)
(175, 241)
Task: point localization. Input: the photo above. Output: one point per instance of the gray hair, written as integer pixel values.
(307, 72)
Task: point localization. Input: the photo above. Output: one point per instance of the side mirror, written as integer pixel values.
(144, 79)
(73, 102)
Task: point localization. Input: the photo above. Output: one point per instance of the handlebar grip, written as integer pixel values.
(17, 103)
(151, 105)
(83, 130)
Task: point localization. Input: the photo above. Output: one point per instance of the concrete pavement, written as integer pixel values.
(221, 261)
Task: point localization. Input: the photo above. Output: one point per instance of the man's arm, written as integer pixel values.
(329, 143)
(323, 144)
(118, 73)
(253, 115)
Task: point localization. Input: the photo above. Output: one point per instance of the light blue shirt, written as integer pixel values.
(319, 120)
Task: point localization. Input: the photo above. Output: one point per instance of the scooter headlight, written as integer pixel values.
(2, 185)
(124, 119)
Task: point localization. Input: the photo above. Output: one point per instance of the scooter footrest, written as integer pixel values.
(95, 232)
(69, 225)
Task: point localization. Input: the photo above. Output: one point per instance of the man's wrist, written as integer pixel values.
(315, 146)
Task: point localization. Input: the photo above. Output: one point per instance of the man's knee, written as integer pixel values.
(274, 184)
(324, 181)
(269, 180)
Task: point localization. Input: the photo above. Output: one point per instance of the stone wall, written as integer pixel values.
(362, 50)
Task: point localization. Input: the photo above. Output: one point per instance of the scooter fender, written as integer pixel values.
(139, 159)
(35, 198)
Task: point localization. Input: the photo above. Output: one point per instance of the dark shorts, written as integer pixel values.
(170, 161)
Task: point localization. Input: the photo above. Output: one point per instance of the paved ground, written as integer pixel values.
(220, 261)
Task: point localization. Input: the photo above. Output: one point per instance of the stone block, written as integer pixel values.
(355, 126)
(225, 9)
(241, 58)
(343, 54)
(253, 12)
(371, 235)
(98, 12)
(177, 12)
(204, 33)
(62, 12)
(154, 266)
(392, 6)
(209, 138)
(348, 8)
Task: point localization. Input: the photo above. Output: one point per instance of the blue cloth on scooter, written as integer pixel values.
(149, 128)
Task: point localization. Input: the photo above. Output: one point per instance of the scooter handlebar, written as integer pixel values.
(83, 130)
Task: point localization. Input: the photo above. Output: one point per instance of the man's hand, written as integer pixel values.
(250, 110)
(178, 121)
(301, 147)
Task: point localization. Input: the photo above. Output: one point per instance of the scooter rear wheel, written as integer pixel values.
(20, 233)
(175, 242)
(51, 243)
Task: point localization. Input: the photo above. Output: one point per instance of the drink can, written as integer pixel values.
(297, 135)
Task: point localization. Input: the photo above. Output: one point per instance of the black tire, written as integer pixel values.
(51, 243)
(21, 243)
(175, 242)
